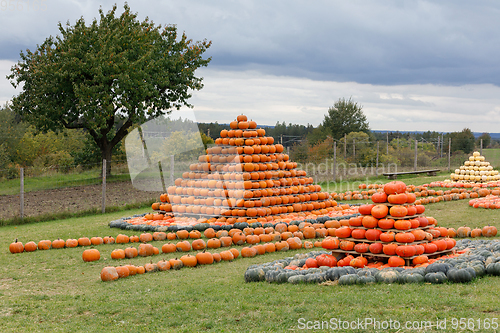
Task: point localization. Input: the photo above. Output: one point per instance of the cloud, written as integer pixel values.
(377, 42)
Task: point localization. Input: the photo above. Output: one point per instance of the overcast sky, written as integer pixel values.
(412, 65)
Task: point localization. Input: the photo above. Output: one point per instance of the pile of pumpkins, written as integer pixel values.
(245, 177)
(475, 170)
(478, 258)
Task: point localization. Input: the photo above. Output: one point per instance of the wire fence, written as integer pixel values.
(38, 191)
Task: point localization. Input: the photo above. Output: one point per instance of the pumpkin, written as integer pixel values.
(163, 265)
(235, 252)
(204, 258)
(361, 247)
(270, 247)
(91, 255)
(461, 275)
(183, 246)
(44, 244)
(176, 263)
(254, 275)
(411, 278)
(387, 276)
(199, 244)
(58, 244)
(168, 248)
(463, 231)
(389, 249)
(217, 257)
(387, 237)
(376, 248)
(71, 242)
(84, 241)
(109, 274)
(348, 279)
(477, 232)
(311, 263)
(209, 233)
(118, 254)
(346, 245)
(326, 260)
(145, 250)
(132, 270)
(134, 239)
(358, 233)
(395, 261)
(108, 240)
(386, 223)
(343, 232)
(435, 277)
(330, 243)
(379, 197)
(402, 224)
(369, 222)
(398, 211)
(131, 252)
(122, 239)
(489, 231)
(151, 268)
(96, 240)
(189, 260)
(430, 248)
(395, 187)
(30, 247)
(405, 237)
(227, 255)
(147, 237)
(406, 251)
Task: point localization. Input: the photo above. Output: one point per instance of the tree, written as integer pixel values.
(114, 70)
(345, 117)
(463, 141)
(486, 137)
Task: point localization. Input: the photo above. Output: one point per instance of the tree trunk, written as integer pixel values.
(106, 154)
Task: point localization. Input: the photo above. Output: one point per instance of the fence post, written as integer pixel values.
(376, 163)
(438, 145)
(103, 205)
(387, 151)
(334, 160)
(416, 153)
(449, 155)
(354, 149)
(481, 147)
(172, 169)
(345, 147)
(21, 194)
(442, 144)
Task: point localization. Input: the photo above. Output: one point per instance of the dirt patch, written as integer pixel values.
(73, 199)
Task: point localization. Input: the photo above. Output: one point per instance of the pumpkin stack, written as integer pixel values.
(244, 176)
(475, 170)
(393, 228)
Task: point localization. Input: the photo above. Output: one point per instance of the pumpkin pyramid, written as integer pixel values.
(475, 170)
(244, 176)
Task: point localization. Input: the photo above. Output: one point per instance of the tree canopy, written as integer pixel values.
(344, 117)
(117, 70)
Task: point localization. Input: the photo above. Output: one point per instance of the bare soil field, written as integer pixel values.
(72, 199)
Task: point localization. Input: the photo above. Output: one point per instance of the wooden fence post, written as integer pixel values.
(416, 153)
(103, 204)
(481, 147)
(376, 163)
(449, 155)
(172, 169)
(334, 160)
(21, 194)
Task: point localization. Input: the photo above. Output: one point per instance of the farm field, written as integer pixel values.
(55, 290)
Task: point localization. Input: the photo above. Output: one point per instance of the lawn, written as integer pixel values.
(56, 291)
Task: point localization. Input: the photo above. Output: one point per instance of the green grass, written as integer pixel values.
(56, 291)
(57, 180)
(492, 156)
